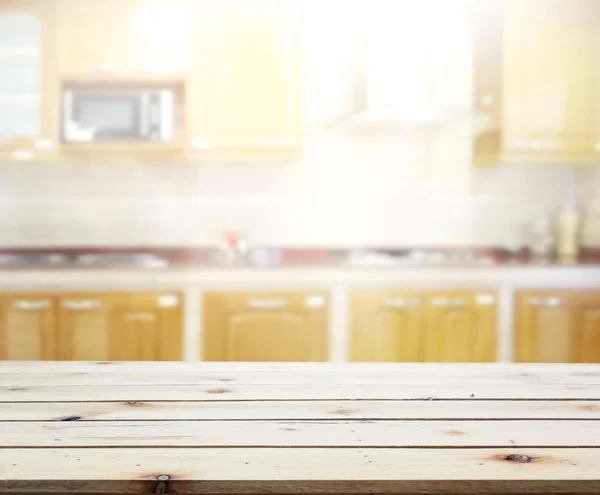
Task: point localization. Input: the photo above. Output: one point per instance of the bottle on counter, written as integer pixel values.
(567, 232)
(542, 240)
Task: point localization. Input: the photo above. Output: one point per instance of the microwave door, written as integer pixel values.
(106, 116)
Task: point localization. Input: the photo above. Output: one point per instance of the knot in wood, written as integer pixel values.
(519, 458)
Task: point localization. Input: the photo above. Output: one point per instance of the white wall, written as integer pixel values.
(339, 193)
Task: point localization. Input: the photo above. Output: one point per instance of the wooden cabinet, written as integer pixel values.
(461, 327)
(557, 326)
(27, 327)
(91, 37)
(123, 39)
(549, 80)
(119, 327)
(158, 37)
(456, 326)
(387, 326)
(537, 79)
(244, 94)
(27, 82)
(261, 326)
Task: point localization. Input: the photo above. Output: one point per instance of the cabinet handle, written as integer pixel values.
(546, 302)
(31, 305)
(401, 302)
(267, 303)
(81, 305)
(447, 302)
(140, 316)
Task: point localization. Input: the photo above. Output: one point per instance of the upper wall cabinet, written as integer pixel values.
(158, 37)
(244, 94)
(549, 83)
(26, 79)
(123, 39)
(537, 79)
(91, 36)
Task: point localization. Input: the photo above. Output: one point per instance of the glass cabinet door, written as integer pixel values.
(21, 69)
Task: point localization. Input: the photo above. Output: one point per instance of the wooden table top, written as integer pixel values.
(299, 428)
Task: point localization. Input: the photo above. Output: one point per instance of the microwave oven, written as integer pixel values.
(106, 115)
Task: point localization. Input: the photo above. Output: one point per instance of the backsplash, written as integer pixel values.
(344, 191)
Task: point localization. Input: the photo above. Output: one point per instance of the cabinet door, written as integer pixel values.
(27, 327)
(91, 37)
(557, 327)
(245, 89)
(265, 327)
(158, 37)
(461, 327)
(549, 77)
(121, 327)
(386, 327)
(27, 82)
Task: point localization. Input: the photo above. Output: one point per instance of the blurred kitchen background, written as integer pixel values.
(382, 185)
(286, 180)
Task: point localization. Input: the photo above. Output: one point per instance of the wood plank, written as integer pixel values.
(318, 410)
(109, 470)
(415, 390)
(438, 369)
(99, 378)
(302, 433)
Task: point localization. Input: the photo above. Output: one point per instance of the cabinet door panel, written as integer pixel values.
(245, 90)
(452, 341)
(557, 326)
(158, 37)
(27, 328)
(83, 330)
(549, 78)
(268, 337)
(460, 328)
(588, 340)
(134, 335)
(386, 327)
(120, 327)
(265, 327)
(91, 37)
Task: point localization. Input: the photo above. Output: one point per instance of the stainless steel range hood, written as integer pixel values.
(416, 66)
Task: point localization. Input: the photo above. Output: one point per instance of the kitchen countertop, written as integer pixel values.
(299, 428)
(177, 258)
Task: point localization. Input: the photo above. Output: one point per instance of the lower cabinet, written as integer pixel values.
(119, 327)
(27, 327)
(261, 326)
(423, 326)
(91, 327)
(560, 326)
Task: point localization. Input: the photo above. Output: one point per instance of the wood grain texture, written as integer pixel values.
(301, 433)
(415, 391)
(284, 410)
(299, 428)
(309, 469)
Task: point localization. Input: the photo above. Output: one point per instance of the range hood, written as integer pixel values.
(415, 66)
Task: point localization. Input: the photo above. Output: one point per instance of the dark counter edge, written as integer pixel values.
(281, 486)
(293, 257)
